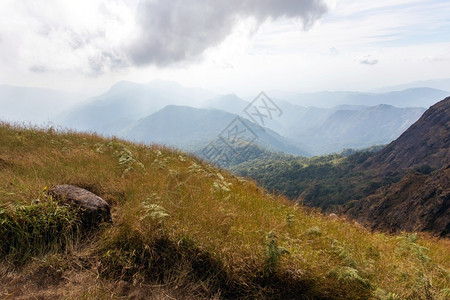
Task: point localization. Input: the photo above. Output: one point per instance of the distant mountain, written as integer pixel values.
(296, 119)
(358, 128)
(439, 84)
(229, 103)
(35, 105)
(316, 130)
(414, 97)
(127, 102)
(426, 142)
(192, 129)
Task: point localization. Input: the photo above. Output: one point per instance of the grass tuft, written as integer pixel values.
(37, 228)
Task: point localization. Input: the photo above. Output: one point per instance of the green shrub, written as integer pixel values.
(37, 228)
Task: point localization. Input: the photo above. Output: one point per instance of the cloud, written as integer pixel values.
(368, 61)
(94, 37)
(171, 31)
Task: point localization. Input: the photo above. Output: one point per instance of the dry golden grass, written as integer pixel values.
(185, 225)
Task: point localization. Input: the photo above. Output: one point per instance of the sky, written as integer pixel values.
(228, 46)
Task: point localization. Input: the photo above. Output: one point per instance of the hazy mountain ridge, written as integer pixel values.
(191, 129)
(412, 97)
(440, 84)
(125, 103)
(316, 130)
(359, 128)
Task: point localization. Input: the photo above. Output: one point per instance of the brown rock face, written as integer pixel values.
(426, 142)
(95, 209)
(417, 203)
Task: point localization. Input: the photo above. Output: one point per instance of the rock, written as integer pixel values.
(95, 209)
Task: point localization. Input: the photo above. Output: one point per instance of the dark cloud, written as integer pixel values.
(177, 30)
(369, 61)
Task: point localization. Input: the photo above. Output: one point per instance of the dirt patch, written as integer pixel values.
(82, 284)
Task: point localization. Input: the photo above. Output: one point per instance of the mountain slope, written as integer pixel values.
(186, 230)
(417, 203)
(426, 142)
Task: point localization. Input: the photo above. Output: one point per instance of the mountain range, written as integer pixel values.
(411, 97)
(192, 129)
(127, 102)
(157, 111)
(130, 110)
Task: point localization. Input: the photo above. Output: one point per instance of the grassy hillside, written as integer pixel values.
(184, 229)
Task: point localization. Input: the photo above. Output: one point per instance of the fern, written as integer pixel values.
(273, 251)
(349, 275)
(153, 212)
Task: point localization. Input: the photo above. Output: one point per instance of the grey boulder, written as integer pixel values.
(94, 209)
